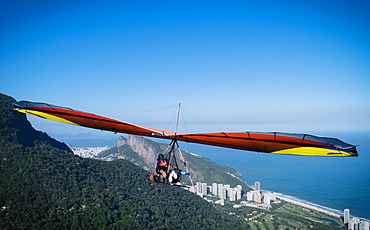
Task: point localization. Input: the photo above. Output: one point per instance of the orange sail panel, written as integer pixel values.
(268, 142)
(275, 142)
(89, 120)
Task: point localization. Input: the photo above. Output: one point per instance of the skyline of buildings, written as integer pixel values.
(219, 190)
(88, 152)
(227, 192)
(257, 196)
(354, 223)
(254, 198)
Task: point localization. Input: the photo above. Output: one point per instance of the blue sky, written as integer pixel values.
(233, 65)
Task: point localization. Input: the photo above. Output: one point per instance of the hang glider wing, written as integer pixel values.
(74, 117)
(275, 142)
(268, 142)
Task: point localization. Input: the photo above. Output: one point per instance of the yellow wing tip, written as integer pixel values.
(44, 115)
(314, 151)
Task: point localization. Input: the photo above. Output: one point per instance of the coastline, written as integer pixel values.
(305, 204)
(313, 206)
(308, 205)
(291, 199)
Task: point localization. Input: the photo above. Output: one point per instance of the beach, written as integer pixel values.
(335, 183)
(325, 210)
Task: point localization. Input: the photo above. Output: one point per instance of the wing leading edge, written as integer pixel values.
(268, 142)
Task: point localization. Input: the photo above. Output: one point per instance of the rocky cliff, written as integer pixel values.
(144, 152)
(43, 185)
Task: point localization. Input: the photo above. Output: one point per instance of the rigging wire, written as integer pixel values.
(183, 160)
(170, 150)
(183, 120)
(200, 119)
(183, 109)
(177, 120)
(232, 167)
(173, 115)
(178, 146)
(148, 111)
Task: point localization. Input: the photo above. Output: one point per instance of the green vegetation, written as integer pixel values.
(45, 186)
(202, 168)
(128, 154)
(281, 216)
(213, 173)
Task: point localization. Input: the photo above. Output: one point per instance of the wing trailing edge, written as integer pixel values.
(268, 142)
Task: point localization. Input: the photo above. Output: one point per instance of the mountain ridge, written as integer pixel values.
(143, 152)
(45, 186)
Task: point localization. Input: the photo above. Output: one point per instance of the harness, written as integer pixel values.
(169, 164)
(170, 156)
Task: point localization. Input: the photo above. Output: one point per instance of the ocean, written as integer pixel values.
(333, 182)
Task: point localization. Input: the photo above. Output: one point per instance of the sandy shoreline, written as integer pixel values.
(308, 206)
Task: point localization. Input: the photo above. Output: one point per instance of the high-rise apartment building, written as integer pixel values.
(272, 196)
(266, 198)
(219, 190)
(257, 186)
(232, 194)
(223, 193)
(238, 193)
(250, 195)
(214, 189)
(346, 216)
(199, 188)
(364, 225)
(258, 197)
(204, 189)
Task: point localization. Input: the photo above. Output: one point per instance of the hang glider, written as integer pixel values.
(268, 142)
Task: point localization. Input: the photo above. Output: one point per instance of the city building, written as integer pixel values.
(272, 196)
(214, 189)
(346, 216)
(223, 194)
(88, 152)
(232, 194)
(250, 195)
(364, 225)
(204, 189)
(199, 188)
(257, 186)
(257, 197)
(355, 223)
(221, 202)
(219, 189)
(266, 198)
(238, 192)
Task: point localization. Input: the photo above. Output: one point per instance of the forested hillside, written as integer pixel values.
(144, 152)
(44, 186)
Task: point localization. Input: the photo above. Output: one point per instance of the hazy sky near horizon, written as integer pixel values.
(292, 66)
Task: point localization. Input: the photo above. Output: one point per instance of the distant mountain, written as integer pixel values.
(73, 136)
(144, 152)
(44, 186)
